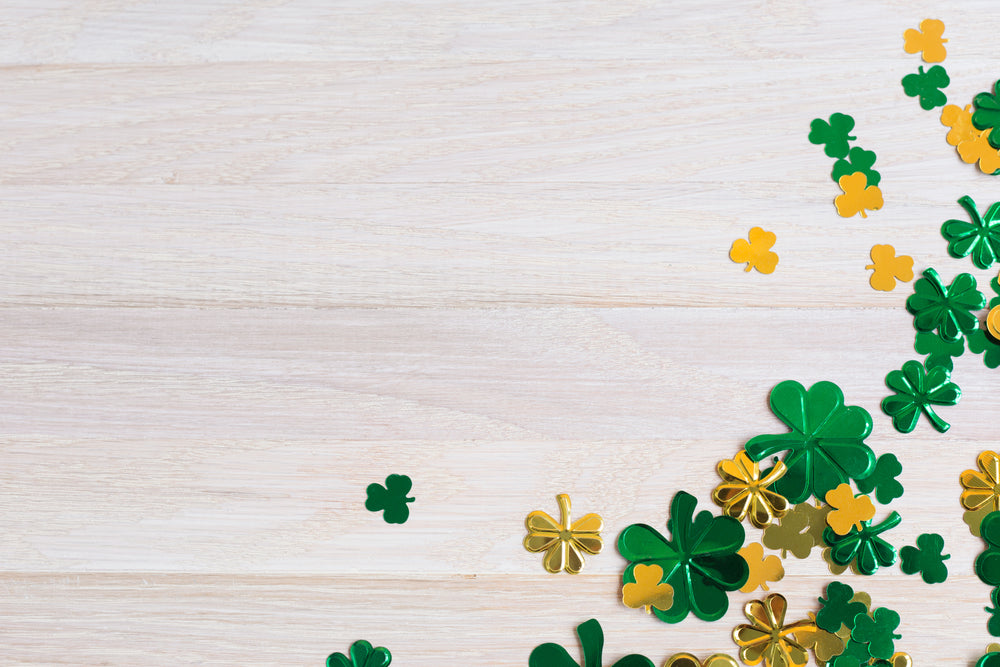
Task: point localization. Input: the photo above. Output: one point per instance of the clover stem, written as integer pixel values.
(564, 510)
(970, 207)
(936, 421)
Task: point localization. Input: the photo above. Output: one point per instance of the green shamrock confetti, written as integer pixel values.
(858, 160)
(995, 286)
(981, 342)
(925, 558)
(988, 562)
(362, 655)
(592, 641)
(877, 631)
(883, 480)
(391, 498)
(857, 650)
(946, 309)
(991, 659)
(980, 237)
(837, 608)
(917, 391)
(926, 85)
(826, 446)
(987, 114)
(864, 547)
(835, 135)
(701, 561)
(846, 660)
(939, 352)
(993, 625)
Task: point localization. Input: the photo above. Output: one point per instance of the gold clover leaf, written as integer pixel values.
(767, 638)
(564, 543)
(647, 591)
(743, 492)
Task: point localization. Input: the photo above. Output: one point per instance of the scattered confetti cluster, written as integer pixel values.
(854, 169)
(926, 86)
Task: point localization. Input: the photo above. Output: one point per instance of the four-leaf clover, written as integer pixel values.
(987, 114)
(592, 641)
(864, 546)
(883, 479)
(391, 498)
(917, 391)
(877, 631)
(564, 541)
(834, 134)
(979, 237)
(362, 655)
(926, 85)
(925, 558)
(946, 309)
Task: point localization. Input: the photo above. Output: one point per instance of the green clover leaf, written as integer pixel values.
(826, 446)
(982, 342)
(925, 558)
(991, 659)
(846, 660)
(946, 309)
(362, 655)
(939, 352)
(865, 546)
(592, 641)
(858, 160)
(987, 114)
(916, 391)
(882, 480)
(391, 498)
(980, 237)
(836, 134)
(701, 560)
(877, 631)
(995, 285)
(837, 608)
(926, 85)
(993, 625)
(988, 562)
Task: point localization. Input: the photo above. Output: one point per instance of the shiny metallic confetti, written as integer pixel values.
(768, 638)
(744, 491)
(762, 569)
(688, 660)
(849, 510)
(793, 534)
(865, 547)
(362, 655)
(647, 591)
(592, 642)
(563, 542)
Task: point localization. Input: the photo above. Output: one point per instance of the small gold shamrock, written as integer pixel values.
(767, 638)
(647, 591)
(563, 542)
(849, 510)
(858, 196)
(981, 490)
(743, 492)
(757, 252)
(887, 268)
(791, 534)
(762, 570)
(960, 122)
(826, 645)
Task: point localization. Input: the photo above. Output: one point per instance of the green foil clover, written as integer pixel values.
(925, 558)
(390, 498)
(837, 608)
(991, 659)
(858, 159)
(865, 547)
(878, 632)
(993, 625)
(987, 114)
(882, 480)
(592, 642)
(946, 309)
(939, 352)
(918, 391)
(925, 85)
(362, 655)
(826, 446)
(979, 237)
(700, 561)
(981, 342)
(988, 562)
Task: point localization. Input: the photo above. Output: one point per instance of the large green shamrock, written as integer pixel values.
(826, 446)
(592, 640)
(836, 134)
(981, 342)
(979, 237)
(882, 480)
(925, 558)
(865, 545)
(837, 608)
(988, 562)
(926, 84)
(916, 391)
(991, 659)
(946, 309)
(858, 160)
(987, 114)
(877, 631)
(391, 498)
(939, 352)
(701, 561)
(362, 655)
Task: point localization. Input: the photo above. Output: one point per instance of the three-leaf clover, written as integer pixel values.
(993, 625)
(988, 562)
(838, 608)
(917, 391)
(859, 196)
(980, 342)
(825, 645)
(834, 134)
(939, 352)
(987, 114)
(925, 558)
(701, 560)
(647, 591)
(791, 534)
(960, 122)
(882, 480)
(362, 655)
(849, 510)
(926, 85)
(946, 309)
(762, 569)
(979, 148)
(864, 547)
(592, 641)
(826, 446)
(980, 237)
(391, 498)
(857, 160)
(888, 268)
(757, 252)
(929, 40)
(877, 631)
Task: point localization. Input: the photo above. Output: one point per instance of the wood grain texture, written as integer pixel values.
(260, 254)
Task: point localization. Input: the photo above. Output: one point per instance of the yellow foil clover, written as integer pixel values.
(767, 638)
(981, 490)
(564, 543)
(744, 492)
(647, 591)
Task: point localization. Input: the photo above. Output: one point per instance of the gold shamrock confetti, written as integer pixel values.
(647, 591)
(788, 536)
(825, 645)
(688, 660)
(768, 638)
(762, 570)
(743, 492)
(849, 510)
(981, 490)
(563, 542)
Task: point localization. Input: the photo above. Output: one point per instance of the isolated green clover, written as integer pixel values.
(926, 85)
(877, 631)
(837, 608)
(836, 134)
(987, 114)
(946, 309)
(918, 391)
(981, 342)
(925, 558)
(865, 547)
(362, 655)
(701, 560)
(939, 352)
(988, 562)
(826, 446)
(391, 498)
(980, 236)
(882, 479)
(592, 641)
(858, 160)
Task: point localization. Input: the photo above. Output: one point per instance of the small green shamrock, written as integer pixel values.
(995, 285)
(939, 352)
(857, 650)
(916, 391)
(925, 558)
(835, 134)
(877, 631)
(858, 160)
(391, 498)
(592, 640)
(988, 562)
(926, 85)
(987, 114)
(837, 608)
(982, 342)
(865, 547)
(993, 625)
(946, 309)
(826, 446)
(701, 561)
(882, 480)
(980, 237)
(846, 660)
(362, 655)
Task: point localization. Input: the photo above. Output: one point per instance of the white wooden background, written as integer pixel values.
(259, 253)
